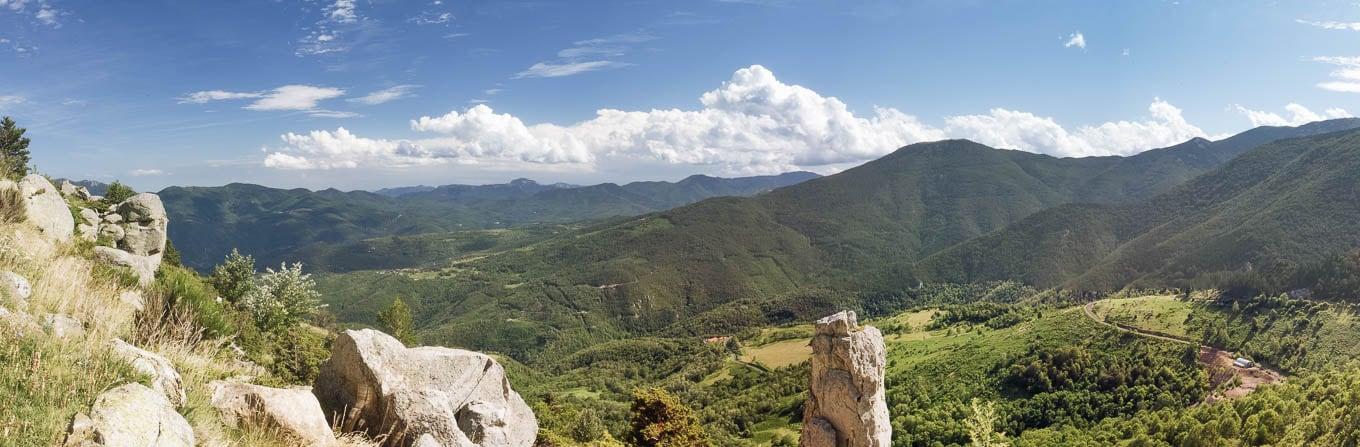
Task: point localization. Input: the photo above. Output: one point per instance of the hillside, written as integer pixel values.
(806, 245)
(1285, 204)
(277, 225)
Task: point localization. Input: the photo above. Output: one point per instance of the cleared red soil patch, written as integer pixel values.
(1221, 370)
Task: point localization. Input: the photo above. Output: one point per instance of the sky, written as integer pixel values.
(365, 94)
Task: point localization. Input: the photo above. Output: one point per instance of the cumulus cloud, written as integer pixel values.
(294, 97)
(1328, 24)
(1029, 132)
(44, 13)
(386, 95)
(752, 123)
(1298, 115)
(342, 11)
(1076, 40)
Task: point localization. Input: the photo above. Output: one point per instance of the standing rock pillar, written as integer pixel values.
(847, 405)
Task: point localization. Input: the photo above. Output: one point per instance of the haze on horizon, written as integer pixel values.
(359, 94)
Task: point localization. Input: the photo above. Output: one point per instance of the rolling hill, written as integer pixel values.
(276, 225)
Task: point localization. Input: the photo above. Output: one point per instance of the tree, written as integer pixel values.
(660, 420)
(234, 278)
(981, 425)
(396, 320)
(282, 298)
(588, 426)
(14, 157)
(117, 193)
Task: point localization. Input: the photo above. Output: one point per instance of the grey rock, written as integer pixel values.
(143, 266)
(164, 378)
(63, 327)
(46, 208)
(433, 395)
(112, 232)
(847, 405)
(293, 412)
(91, 216)
(15, 286)
(131, 415)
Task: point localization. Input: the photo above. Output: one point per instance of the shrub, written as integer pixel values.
(234, 278)
(283, 298)
(396, 320)
(661, 420)
(117, 193)
(182, 289)
(13, 207)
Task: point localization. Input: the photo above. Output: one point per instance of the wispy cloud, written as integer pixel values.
(550, 70)
(1076, 40)
(288, 97)
(11, 100)
(386, 95)
(432, 18)
(1352, 26)
(1345, 79)
(146, 172)
(42, 11)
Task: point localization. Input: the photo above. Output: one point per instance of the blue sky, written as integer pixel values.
(365, 94)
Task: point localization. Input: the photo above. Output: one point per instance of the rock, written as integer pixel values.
(87, 232)
(143, 266)
(16, 286)
(112, 232)
(144, 208)
(19, 322)
(90, 216)
(847, 405)
(143, 240)
(67, 188)
(164, 378)
(293, 412)
(113, 218)
(133, 299)
(131, 415)
(46, 209)
(63, 327)
(433, 395)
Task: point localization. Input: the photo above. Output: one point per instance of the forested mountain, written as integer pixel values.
(858, 231)
(1275, 208)
(276, 224)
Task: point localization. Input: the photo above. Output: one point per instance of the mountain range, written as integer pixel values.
(276, 225)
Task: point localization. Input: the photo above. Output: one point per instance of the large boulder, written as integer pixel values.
(137, 230)
(293, 412)
(46, 208)
(164, 378)
(847, 405)
(131, 415)
(142, 266)
(439, 396)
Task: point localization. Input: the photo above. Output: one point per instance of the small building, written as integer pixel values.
(716, 340)
(1243, 363)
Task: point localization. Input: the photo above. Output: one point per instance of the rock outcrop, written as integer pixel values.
(847, 405)
(46, 208)
(16, 287)
(437, 396)
(164, 378)
(130, 415)
(293, 412)
(136, 232)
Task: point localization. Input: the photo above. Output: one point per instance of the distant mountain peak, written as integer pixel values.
(523, 182)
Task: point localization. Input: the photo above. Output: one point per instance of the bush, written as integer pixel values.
(234, 278)
(13, 207)
(661, 420)
(182, 289)
(281, 299)
(117, 193)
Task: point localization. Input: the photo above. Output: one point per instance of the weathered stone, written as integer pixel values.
(131, 415)
(87, 232)
(19, 322)
(143, 266)
(113, 218)
(847, 404)
(141, 240)
(164, 378)
(133, 299)
(15, 286)
(293, 412)
(46, 209)
(112, 232)
(144, 208)
(62, 326)
(90, 216)
(453, 397)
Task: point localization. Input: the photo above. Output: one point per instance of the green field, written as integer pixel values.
(1165, 314)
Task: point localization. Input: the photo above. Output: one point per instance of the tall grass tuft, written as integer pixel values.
(13, 207)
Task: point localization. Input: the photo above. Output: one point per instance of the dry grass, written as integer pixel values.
(45, 381)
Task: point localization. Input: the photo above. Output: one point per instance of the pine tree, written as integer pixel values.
(396, 320)
(14, 157)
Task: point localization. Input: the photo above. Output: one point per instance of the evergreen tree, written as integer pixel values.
(14, 157)
(396, 320)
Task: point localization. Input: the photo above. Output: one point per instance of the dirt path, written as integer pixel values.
(1217, 362)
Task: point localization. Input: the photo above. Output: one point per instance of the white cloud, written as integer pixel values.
(342, 11)
(47, 16)
(11, 100)
(753, 123)
(1327, 24)
(1347, 77)
(1076, 40)
(491, 91)
(295, 97)
(432, 18)
(1125, 52)
(216, 95)
(146, 172)
(550, 70)
(386, 95)
(1012, 129)
(322, 113)
(1299, 115)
